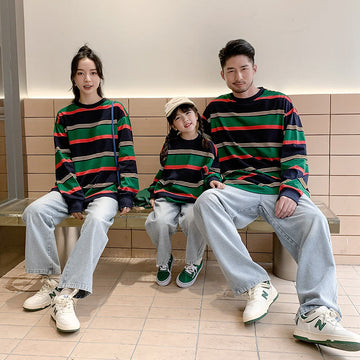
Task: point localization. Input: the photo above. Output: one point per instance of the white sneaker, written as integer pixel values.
(62, 311)
(44, 296)
(261, 297)
(320, 326)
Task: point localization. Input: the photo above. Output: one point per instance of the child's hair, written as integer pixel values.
(85, 52)
(173, 133)
(236, 47)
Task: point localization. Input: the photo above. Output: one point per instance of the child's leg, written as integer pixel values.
(79, 268)
(195, 244)
(161, 224)
(40, 217)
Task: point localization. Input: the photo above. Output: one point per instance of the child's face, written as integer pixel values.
(86, 78)
(186, 123)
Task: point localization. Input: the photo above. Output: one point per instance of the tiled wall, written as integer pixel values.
(3, 173)
(332, 127)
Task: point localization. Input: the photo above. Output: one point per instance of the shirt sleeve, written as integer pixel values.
(66, 181)
(129, 182)
(294, 165)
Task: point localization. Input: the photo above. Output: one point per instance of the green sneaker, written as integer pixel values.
(163, 276)
(188, 276)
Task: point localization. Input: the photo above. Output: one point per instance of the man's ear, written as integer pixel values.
(222, 74)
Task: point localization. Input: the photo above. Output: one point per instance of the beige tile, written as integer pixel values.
(318, 164)
(345, 103)
(144, 352)
(119, 238)
(170, 313)
(222, 327)
(146, 126)
(30, 357)
(39, 145)
(148, 164)
(318, 185)
(345, 145)
(144, 145)
(273, 355)
(316, 124)
(214, 354)
(345, 205)
(38, 126)
(40, 182)
(40, 164)
(317, 144)
(312, 104)
(38, 108)
(147, 107)
(105, 336)
(159, 338)
(60, 103)
(117, 323)
(99, 351)
(345, 185)
(226, 342)
(345, 165)
(45, 348)
(171, 325)
(345, 124)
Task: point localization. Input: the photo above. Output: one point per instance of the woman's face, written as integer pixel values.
(87, 79)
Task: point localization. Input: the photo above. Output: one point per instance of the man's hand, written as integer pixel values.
(285, 207)
(214, 184)
(77, 215)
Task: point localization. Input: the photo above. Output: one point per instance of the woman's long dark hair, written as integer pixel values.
(174, 134)
(85, 52)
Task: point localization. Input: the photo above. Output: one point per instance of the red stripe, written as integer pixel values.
(91, 171)
(72, 190)
(253, 127)
(296, 167)
(100, 192)
(82, 141)
(135, 191)
(247, 157)
(176, 167)
(125, 126)
(127, 158)
(182, 195)
(291, 111)
(60, 134)
(101, 107)
(294, 142)
(62, 162)
(273, 97)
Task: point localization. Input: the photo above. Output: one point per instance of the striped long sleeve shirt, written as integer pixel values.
(187, 171)
(84, 155)
(261, 143)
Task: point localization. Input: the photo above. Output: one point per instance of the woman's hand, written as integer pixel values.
(152, 202)
(214, 184)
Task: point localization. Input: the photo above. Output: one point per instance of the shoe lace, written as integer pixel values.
(253, 292)
(47, 285)
(164, 268)
(65, 303)
(190, 269)
(328, 315)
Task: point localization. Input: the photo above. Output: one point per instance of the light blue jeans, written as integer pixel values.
(41, 255)
(162, 223)
(305, 234)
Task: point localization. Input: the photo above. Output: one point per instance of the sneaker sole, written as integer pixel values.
(341, 345)
(36, 309)
(260, 317)
(186, 285)
(64, 330)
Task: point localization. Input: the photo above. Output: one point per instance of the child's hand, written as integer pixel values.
(124, 210)
(77, 215)
(152, 202)
(214, 184)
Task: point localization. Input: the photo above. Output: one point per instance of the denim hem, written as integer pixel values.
(250, 286)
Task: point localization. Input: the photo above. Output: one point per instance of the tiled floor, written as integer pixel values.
(130, 317)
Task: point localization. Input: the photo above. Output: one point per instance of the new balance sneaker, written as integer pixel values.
(163, 276)
(62, 311)
(44, 296)
(188, 276)
(320, 326)
(260, 297)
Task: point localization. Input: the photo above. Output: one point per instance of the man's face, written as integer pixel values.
(238, 74)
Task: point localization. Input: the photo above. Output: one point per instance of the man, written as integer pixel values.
(262, 153)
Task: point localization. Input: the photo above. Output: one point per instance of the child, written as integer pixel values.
(189, 166)
(86, 181)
